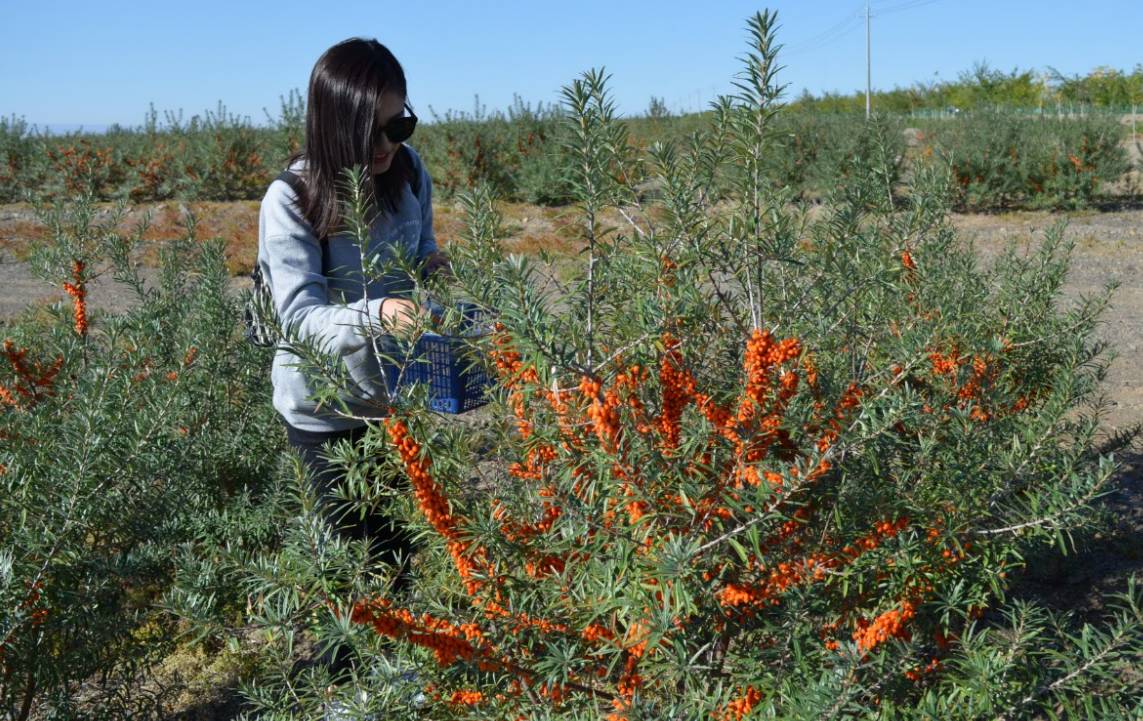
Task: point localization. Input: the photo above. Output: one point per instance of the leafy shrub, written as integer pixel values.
(18, 158)
(289, 127)
(984, 88)
(516, 153)
(87, 168)
(1002, 161)
(125, 436)
(520, 154)
(657, 109)
(214, 157)
(742, 464)
(820, 151)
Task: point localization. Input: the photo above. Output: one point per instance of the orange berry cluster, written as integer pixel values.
(811, 370)
(595, 632)
(891, 624)
(433, 503)
(465, 698)
(850, 399)
(763, 354)
(883, 530)
(814, 567)
(532, 468)
(145, 370)
(753, 425)
(448, 642)
(907, 260)
(431, 498)
(678, 388)
(603, 410)
(916, 673)
(37, 617)
(33, 382)
(79, 162)
(756, 424)
(667, 269)
(629, 679)
(949, 555)
(514, 375)
(78, 291)
(35, 593)
(515, 531)
(740, 708)
(983, 374)
(781, 577)
(517, 377)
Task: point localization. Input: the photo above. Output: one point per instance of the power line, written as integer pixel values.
(908, 5)
(847, 24)
(868, 65)
(843, 27)
(827, 36)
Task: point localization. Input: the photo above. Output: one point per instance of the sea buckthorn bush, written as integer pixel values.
(18, 158)
(126, 439)
(219, 156)
(516, 152)
(216, 156)
(821, 150)
(745, 462)
(1002, 161)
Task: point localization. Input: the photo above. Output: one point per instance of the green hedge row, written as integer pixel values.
(995, 160)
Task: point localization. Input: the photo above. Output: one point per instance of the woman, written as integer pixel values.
(357, 116)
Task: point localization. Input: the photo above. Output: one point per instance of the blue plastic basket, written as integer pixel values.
(456, 383)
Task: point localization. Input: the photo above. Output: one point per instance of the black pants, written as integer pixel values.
(387, 538)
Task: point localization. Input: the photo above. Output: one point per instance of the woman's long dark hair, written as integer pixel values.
(345, 92)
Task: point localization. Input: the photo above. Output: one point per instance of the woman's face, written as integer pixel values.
(392, 106)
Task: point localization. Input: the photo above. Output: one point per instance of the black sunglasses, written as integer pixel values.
(399, 129)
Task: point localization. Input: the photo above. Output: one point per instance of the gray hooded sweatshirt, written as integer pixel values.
(336, 309)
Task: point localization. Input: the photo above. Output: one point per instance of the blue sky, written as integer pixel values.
(97, 63)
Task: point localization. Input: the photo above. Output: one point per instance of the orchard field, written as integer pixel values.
(796, 415)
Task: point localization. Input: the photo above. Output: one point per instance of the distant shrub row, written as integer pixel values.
(996, 160)
(987, 87)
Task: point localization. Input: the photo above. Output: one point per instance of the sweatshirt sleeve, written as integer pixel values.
(291, 259)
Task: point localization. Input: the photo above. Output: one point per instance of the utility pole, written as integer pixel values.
(868, 64)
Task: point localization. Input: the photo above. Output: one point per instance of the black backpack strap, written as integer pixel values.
(291, 179)
(415, 184)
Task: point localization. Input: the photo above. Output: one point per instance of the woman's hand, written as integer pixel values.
(436, 262)
(398, 314)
